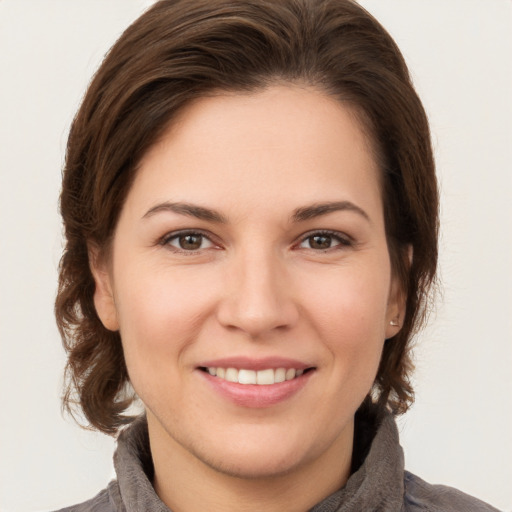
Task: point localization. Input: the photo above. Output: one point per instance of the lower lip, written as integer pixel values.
(257, 396)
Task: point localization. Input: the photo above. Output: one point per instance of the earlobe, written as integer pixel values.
(396, 309)
(394, 317)
(103, 292)
(397, 301)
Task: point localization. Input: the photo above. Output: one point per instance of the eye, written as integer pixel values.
(324, 240)
(188, 241)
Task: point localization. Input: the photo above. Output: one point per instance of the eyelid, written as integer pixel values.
(166, 239)
(344, 239)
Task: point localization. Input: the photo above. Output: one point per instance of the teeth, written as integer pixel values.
(261, 377)
(265, 377)
(290, 374)
(246, 376)
(280, 375)
(231, 375)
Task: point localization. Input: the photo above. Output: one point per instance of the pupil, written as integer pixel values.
(190, 242)
(320, 242)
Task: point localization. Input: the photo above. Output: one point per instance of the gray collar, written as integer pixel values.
(377, 485)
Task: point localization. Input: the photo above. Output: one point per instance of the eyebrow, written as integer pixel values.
(318, 209)
(299, 215)
(190, 210)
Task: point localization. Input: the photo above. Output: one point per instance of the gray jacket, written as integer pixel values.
(379, 484)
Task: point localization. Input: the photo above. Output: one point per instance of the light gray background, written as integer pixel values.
(459, 431)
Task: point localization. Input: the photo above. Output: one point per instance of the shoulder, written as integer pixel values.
(105, 501)
(422, 496)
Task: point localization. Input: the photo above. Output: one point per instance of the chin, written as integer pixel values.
(261, 451)
(262, 465)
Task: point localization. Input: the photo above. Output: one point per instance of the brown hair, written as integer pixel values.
(180, 50)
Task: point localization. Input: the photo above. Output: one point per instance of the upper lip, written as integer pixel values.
(249, 363)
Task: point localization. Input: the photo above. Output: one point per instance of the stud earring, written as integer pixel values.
(394, 322)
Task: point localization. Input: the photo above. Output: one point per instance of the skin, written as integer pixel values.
(257, 286)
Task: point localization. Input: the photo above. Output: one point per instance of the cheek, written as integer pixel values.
(160, 313)
(351, 315)
(352, 298)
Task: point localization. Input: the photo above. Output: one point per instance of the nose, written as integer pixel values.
(258, 296)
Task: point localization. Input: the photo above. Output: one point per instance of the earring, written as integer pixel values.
(394, 322)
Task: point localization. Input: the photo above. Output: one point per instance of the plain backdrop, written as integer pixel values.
(460, 430)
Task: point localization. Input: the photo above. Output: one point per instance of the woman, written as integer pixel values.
(250, 210)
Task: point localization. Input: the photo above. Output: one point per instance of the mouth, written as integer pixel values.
(264, 377)
(256, 383)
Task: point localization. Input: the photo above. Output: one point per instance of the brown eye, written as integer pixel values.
(320, 241)
(189, 242)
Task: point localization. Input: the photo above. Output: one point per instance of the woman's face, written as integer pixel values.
(252, 247)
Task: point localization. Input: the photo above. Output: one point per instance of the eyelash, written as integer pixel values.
(175, 235)
(344, 241)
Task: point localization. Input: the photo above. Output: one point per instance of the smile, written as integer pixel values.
(264, 377)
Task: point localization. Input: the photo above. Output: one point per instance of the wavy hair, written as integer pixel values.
(180, 50)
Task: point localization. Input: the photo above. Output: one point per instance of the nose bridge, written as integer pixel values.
(258, 295)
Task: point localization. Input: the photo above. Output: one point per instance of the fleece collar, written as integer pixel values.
(377, 485)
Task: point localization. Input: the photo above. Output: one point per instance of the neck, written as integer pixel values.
(185, 483)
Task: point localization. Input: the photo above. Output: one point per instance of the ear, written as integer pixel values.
(395, 310)
(103, 293)
(396, 301)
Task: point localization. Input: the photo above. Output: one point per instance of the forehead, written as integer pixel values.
(285, 143)
(266, 116)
